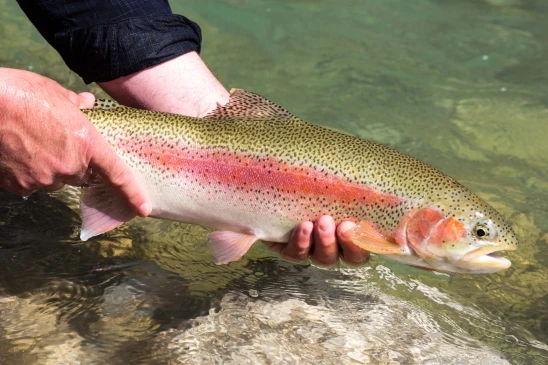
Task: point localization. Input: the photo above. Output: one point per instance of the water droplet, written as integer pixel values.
(485, 57)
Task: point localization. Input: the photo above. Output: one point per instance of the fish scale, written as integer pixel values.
(254, 169)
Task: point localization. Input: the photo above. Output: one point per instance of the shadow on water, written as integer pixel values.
(52, 286)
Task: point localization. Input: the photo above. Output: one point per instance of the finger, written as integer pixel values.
(28, 193)
(326, 251)
(351, 254)
(274, 246)
(298, 247)
(75, 180)
(114, 171)
(81, 179)
(56, 185)
(10, 184)
(17, 190)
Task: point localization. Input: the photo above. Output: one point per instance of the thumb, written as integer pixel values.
(114, 171)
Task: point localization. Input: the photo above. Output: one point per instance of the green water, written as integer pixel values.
(462, 85)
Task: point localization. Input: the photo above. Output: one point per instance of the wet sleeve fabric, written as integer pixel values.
(102, 40)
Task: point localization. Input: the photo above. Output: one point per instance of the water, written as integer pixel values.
(459, 84)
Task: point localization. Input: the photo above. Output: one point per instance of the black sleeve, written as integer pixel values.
(102, 40)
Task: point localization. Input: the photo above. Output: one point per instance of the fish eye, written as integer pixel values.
(484, 230)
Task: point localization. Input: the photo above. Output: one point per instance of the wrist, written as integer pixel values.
(183, 85)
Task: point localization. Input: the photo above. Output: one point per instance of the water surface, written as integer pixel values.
(462, 85)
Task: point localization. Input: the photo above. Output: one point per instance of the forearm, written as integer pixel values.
(182, 85)
(139, 52)
(105, 40)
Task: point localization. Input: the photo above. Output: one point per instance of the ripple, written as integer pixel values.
(245, 330)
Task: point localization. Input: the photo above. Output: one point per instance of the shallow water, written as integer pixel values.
(462, 85)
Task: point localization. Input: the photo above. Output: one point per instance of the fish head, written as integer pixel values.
(460, 237)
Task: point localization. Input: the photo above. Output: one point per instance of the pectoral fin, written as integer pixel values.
(102, 209)
(227, 246)
(368, 238)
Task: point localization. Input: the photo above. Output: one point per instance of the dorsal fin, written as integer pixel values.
(245, 104)
(106, 104)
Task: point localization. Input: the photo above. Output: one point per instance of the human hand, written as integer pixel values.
(47, 142)
(323, 243)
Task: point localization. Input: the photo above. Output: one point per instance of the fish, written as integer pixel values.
(251, 170)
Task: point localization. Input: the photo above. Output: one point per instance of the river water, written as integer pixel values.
(462, 85)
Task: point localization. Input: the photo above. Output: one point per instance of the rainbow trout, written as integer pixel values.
(252, 171)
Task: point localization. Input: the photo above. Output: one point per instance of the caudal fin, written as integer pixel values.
(102, 209)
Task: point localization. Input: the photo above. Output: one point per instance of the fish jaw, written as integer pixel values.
(484, 264)
(483, 259)
(479, 262)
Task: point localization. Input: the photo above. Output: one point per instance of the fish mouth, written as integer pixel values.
(485, 260)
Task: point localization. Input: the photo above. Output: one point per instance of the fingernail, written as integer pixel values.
(145, 209)
(345, 229)
(327, 226)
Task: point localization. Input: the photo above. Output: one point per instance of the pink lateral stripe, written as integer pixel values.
(262, 173)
